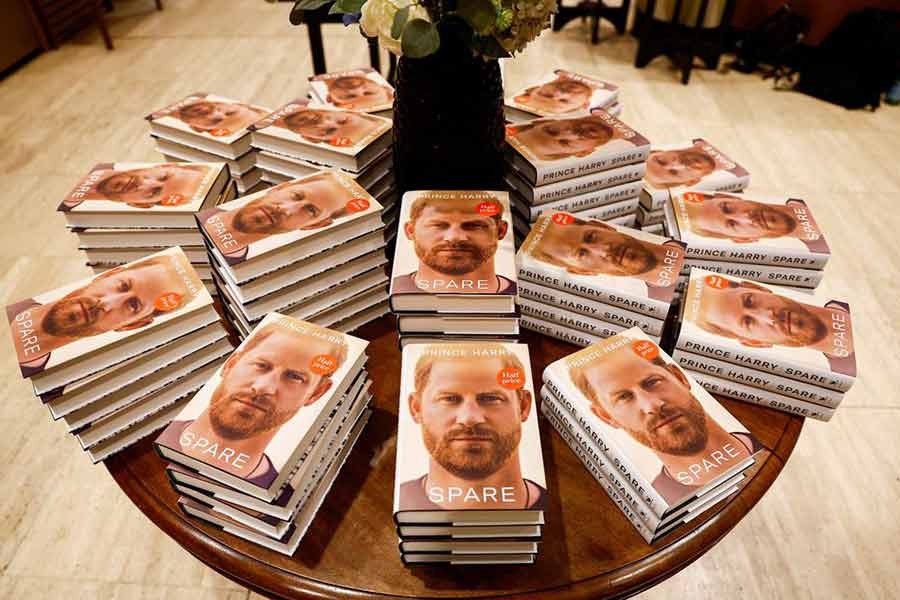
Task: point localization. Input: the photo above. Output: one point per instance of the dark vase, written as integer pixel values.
(448, 121)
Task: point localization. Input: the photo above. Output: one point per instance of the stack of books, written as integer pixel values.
(116, 356)
(363, 90)
(674, 168)
(563, 94)
(659, 445)
(454, 271)
(257, 449)
(298, 139)
(591, 165)
(469, 486)
(771, 239)
(582, 280)
(125, 211)
(767, 345)
(312, 248)
(208, 128)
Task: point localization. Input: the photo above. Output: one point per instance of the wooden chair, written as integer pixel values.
(314, 20)
(594, 10)
(58, 20)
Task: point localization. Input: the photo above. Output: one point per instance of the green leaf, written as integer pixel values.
(309, 4)
(420, 38)
(346, 6)
(479, 14)
(400, 18)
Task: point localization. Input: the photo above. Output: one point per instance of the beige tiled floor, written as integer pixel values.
(828, 528)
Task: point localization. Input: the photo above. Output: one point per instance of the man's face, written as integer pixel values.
(227, 117)
(551, 140)
(650, 402)
(761, 318)
(166, 184)
(559, 97)
(330, 126)
(470, 424)
(740, 219)
(357, 93)
(454, 242)
(306, 204)
(110, 302)
(595, 248)
(678, 167)
(265, 386)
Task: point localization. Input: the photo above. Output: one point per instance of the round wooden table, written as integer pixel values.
(589, 548)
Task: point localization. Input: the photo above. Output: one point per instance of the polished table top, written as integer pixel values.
(589, 548)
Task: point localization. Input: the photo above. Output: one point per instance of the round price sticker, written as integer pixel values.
(340, 141)
(645, 349)
(219, 132)
(489, 208)
(511, 378)
(357, 205)
(716, 282)
(323, 364)
(562, 218)
(510, 130)
(173, 199)
(693, 197)
(167, 302)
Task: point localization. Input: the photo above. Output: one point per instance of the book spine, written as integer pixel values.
(609, 212)
(759, 256)
(745, 393)
(597, 310)
(580, 443)
(598, 475)
(562, 390)
(533, 270)
(590, 164)
(606, 197)
(582, 186)
(814, 376)
(772, 383)
(579, 338)
(596, 328)
(805, 278)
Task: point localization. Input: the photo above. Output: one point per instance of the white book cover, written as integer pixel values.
(363, 89)
(564, 93)
(218, 118)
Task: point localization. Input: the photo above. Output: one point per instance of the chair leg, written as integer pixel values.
(159, 5)
(101, 23)
(314, 30)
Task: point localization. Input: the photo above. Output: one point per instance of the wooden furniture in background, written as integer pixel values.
(595, 10)
(589, 548)
(314, 20)
(59, 20)
(19, 35)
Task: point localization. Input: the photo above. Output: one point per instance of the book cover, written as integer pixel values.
(749, 227)
(605, 262)
(468, 434)
(769, 328)
(75, 320)
(249, 418)
(337, 130)
(143, 187)
(553, 149)
(209, 116)
(564, 93)
(652, 417)
(363, 89)
(696, 164)
(285, 214)
(454, 242)
(788, 276)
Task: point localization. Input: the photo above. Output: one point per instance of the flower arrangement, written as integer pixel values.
(414, 28)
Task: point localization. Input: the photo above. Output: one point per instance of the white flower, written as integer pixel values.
(378, 18)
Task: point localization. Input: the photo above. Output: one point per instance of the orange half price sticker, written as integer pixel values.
(173, 199)
(716, 282)
(511, 378)
(219, 132)
(562, 218)
(510, 130)
(693, 197)
(340, 141)
(645, 349)
(323, 364)
(168, 301)
(357, 205)
(489, 208)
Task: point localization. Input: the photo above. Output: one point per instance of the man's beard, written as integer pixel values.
(685, 437)
(472, 461)
(56, 321)
(799, 325)
(231, 419)
(473, 256)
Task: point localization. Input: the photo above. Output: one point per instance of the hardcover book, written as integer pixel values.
(608, 263)
(208, 122)
(553, 149)
(132, 192)
(562, 94)
(787, 276)
(668, 435)
(696, 164)
(249, 424)
(596, 199)
(329, 136)
(89, 322)
(801, 336)
(364, 90)
(263, 231)
(454, 253)
(748, 228)
(468, 445)
(576, 187)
